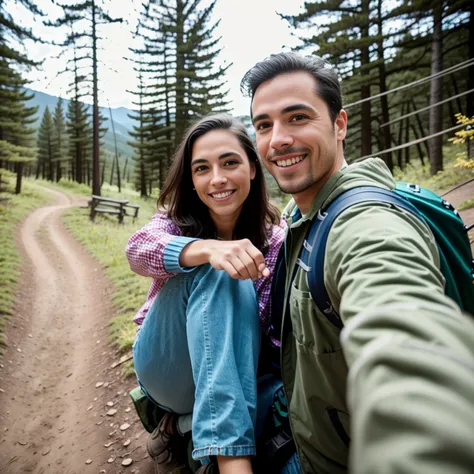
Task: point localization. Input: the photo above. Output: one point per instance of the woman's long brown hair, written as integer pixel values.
(191, 215)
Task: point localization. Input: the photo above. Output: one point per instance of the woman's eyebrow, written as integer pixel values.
(198, 160)
(227, 154)
(221, 157)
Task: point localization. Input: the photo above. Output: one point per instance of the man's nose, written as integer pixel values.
(281, 138)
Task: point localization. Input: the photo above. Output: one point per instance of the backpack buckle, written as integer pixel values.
(413, 187)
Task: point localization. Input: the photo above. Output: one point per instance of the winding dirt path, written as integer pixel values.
(56, 380)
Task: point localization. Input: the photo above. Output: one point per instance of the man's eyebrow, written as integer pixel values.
(221, 157)
(290, 108)
(294, 107)
(260, 117)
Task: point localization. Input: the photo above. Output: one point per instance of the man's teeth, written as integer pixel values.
(290, 161)
(222, 195)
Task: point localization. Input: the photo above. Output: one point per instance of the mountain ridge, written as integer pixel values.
(122, 123)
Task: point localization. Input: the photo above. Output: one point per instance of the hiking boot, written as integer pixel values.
(168, 448)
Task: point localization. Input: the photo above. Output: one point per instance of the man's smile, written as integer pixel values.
(285, 162)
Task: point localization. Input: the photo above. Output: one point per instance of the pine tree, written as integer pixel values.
(60, 139)
(180, 77)
(79, 133)
(16, 118)
(46, 147)
(89, 11)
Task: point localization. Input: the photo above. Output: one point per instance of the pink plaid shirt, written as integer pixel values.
(145, 252)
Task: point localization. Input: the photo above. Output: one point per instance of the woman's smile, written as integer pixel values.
(222, 195)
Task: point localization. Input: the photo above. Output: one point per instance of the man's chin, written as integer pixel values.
(295, 188)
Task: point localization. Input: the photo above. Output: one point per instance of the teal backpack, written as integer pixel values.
(450, 233)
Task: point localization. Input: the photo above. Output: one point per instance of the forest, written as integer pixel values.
(406, 70)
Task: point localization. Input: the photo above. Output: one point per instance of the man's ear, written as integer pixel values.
(341, 125)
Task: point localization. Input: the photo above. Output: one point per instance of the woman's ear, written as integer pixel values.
(253, 171)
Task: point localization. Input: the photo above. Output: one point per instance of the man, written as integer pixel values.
(394, 392)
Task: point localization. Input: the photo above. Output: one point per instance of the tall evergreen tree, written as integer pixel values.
(182, 81)
(16, 118)
(79, 133)
(61, 158)
(46, 147)
(88, 11)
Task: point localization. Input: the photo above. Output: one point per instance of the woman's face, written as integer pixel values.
(221, 174)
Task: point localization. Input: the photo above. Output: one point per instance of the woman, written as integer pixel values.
(197, 350)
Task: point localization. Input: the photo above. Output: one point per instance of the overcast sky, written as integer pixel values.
(250, 30)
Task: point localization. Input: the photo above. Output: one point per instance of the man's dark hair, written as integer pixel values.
(327, 82)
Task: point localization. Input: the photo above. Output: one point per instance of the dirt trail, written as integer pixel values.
(52, 415)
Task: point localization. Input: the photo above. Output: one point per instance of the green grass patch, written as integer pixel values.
(12, 212)
(442, 181)
(466, 205)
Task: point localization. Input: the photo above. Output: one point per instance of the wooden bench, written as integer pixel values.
(118, 207)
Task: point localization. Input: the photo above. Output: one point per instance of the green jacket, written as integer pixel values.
(397, 384)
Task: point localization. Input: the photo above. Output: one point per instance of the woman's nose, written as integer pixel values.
(218, 179)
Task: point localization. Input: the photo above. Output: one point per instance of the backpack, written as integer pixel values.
(450, 233)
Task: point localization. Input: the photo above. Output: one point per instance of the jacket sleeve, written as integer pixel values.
(154, 250)
(409, 348)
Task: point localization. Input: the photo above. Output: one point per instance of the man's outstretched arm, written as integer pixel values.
(409, 348)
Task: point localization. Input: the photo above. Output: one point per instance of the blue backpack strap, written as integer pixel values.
(314, 249)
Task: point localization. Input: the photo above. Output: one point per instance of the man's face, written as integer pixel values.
(297, 140)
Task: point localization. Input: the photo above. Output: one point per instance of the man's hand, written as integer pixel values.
(239, 258)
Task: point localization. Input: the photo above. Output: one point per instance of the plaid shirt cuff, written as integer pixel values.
(173, 251)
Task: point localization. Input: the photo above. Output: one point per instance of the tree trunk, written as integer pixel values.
(420, 126)
(96, 183)
(115, 160)
(366, 120)
(19, 175)
(142, 179)
(119, 183)
(407, 139)
(469, 70)
(436, 93)
(58, 171)
(400, 136)
(125, 167)
(112, 172)
(102, 177)
(456, 92)
(180, 82)
(387, 157)
(418, 145)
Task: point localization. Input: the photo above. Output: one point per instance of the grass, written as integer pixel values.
(442, 181)
(12, 212)
(466, 205)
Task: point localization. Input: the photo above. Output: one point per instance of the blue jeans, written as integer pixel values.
(197, 352)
